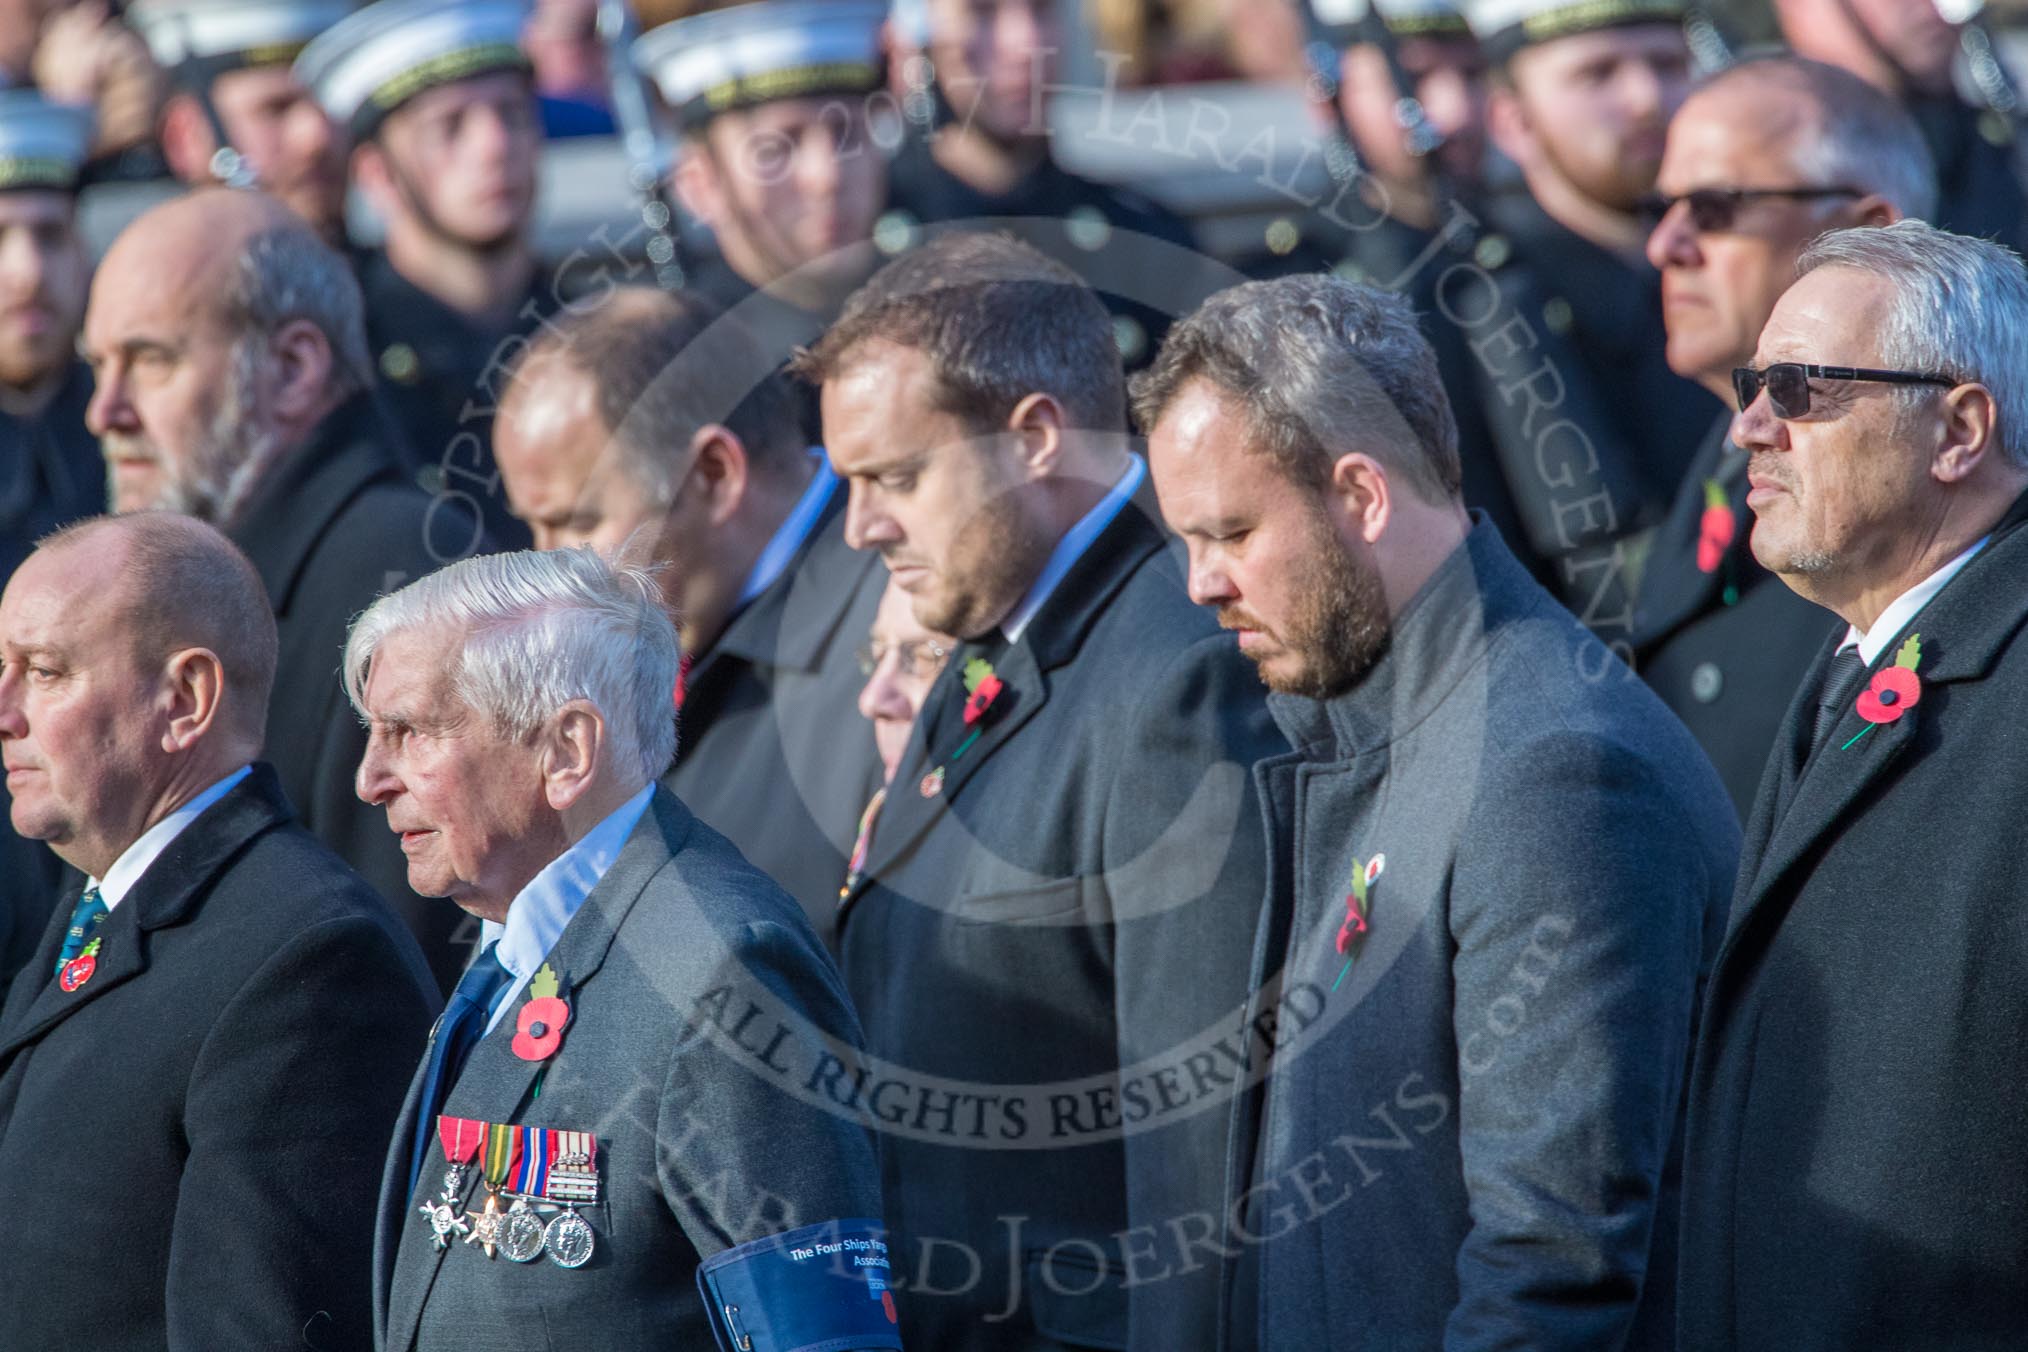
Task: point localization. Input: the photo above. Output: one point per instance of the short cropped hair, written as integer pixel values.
(998, 320)
(1960, 310)
(537, 629)
(188, 586)
(663, 366)
(1323, 366)
(1860, 137)
(286, 273)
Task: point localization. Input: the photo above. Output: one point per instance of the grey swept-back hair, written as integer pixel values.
(1323, 366)
(285, 272)
(1960, 310)
(535, 630)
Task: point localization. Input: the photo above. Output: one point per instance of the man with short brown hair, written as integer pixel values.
(1067, 867)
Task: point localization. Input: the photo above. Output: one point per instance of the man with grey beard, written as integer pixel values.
(233, 386)
(1496, 860)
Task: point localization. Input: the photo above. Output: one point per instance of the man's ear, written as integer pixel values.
(187, 139)
(1359, 498)
(1870, 210)
(370, 171)
(695, 181)
(573, 744)
(1968, 440)
(192, 693)
(721, 471)
(1039, 427)
(1508, 124)
(303, 358)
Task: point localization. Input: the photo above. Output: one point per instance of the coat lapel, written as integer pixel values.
(163, 895)
(495, 1083)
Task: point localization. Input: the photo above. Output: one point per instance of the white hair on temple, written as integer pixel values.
(1960, 310)
(537, 630)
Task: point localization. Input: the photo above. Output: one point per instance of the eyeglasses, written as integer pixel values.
(1713, 210)
(917, 657)
(1788, 383)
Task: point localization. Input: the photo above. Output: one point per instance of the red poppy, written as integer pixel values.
(76, 972)
(887, 1304)
(1354, 928)
(981, 699)
(1892, 692)
(1714, 533)
(538, 1031)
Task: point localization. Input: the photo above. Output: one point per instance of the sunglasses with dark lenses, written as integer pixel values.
(1788, 383)
(1713, 210)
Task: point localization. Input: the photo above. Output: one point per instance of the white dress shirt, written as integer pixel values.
(1904, 607)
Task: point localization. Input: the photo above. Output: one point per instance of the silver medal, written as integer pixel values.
(521, 1234)
(444, 1217)
(569, 1240)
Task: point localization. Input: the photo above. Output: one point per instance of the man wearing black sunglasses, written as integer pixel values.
(1857, 1073)
(1760, 160)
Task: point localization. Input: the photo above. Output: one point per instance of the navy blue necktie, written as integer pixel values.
(464, 1023)
(91, 908)
(1840, 688)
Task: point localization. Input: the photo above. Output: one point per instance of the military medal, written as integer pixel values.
(501, 1153)
(486, 1225)
(573, 1181)
(80, 968)
(521, 1232)
(459, 1137)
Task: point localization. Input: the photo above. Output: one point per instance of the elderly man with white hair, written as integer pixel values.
(1857, 1076)
(614, 1137)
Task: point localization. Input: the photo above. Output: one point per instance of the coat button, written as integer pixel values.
(1706, 682)
(400, 364)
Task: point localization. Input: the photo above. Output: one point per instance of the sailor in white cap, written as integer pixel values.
(50, 470)
(782, 156)
(235, 113)
(438, 98)
(977, 80)
(1582, 94)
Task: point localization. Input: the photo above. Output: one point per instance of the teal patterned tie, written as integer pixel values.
(84, 921)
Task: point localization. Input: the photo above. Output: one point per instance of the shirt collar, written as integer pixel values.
(135, 859)
(789, 536)
(1072, 546)
(537, 915)
(1904, 607)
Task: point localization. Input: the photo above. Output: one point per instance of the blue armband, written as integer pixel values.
(822, 1288)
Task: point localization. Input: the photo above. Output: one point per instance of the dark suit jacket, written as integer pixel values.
(771, 749)
(1725, 647)
(334, 528)
(1038, 941)
(1467, 1136)
(1857, 1152)
(704, 1140)
(196, 1132)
